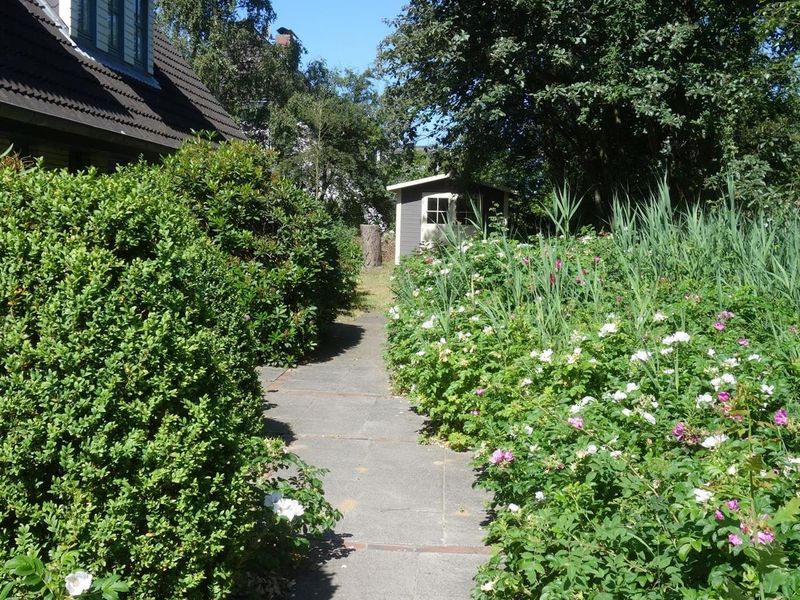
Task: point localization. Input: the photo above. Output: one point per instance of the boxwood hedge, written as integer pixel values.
(130, 416)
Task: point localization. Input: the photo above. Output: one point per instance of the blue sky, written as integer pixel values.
(345, 33)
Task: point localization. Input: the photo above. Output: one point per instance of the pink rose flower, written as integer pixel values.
(724, 396)
(679, 430)
(743, 341)
(765, 537)
(781, 418)
(718, 515)
(576, 422)
(496, 457)
(480, 391)
(734, 540)
(733, 505)
(725, 314)
(719, 326)
(508, 456)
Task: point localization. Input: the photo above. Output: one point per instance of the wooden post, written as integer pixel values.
(371, 245)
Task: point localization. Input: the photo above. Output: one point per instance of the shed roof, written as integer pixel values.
(46, 79)
(434, 178)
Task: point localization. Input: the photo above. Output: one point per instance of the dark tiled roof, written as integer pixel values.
(41, 71)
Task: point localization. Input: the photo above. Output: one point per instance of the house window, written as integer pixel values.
(87, 19)
(141, 11)
(437, 210)
(116, 30)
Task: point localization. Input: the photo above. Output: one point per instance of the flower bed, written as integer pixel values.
(632, 400)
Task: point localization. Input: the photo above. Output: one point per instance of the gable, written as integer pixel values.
(45, 79)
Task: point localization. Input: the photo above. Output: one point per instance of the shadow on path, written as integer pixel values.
(336, 341)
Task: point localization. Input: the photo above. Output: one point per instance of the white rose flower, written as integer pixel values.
(526, 382)
(608, 329)
(701, 495)
(487, 587)
(619, 395)
(627, 412)
(714, 441)
(429, 323)
(728, 378)
(666, 351)
(514, 508)
(767, 389)
(641, 356)
(704, 400)
(754, 358)
(546, 356)
(591, 449)
(648, 417)
(631, 387)
(540, 497)
(290, 509)
(731, 363)
(659, 316)
(78, 583)
(615, 453)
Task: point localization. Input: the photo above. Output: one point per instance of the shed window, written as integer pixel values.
(141, 11)
(437, 210)
(116, 28)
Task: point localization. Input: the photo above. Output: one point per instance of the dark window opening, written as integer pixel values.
(141, 11)
(116, 27)
(87, 20)
(465, 213)
(78, 160)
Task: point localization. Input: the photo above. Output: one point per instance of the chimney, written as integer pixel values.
(285, 37)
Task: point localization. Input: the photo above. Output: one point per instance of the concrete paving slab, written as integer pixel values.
(411, 516)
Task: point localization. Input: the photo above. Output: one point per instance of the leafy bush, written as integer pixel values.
(632, 400)
(131, 435)
(297, 268)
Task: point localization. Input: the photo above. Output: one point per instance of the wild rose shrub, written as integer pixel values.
(298, 265)
(131, 428)
(632, 400)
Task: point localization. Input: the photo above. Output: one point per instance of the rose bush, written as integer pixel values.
(631, 398)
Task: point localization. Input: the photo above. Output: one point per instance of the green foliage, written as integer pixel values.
(297, 268)
(51, 581)
(131, 435)
(330, 140)
(632, 399)
(604, 95)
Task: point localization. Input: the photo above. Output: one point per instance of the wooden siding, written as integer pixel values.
(410, 214)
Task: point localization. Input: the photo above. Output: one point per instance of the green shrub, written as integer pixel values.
(297, 268)
(131, 434)
(625, 461)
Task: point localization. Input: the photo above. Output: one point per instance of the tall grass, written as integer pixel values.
(651, 244)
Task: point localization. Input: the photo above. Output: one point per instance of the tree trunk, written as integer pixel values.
(371, 245)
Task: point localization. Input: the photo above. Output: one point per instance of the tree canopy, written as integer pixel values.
(607, 96)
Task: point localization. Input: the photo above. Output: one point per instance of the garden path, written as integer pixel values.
(411, 528)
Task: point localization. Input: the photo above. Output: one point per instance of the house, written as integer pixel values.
(424, 207)
(93, 82)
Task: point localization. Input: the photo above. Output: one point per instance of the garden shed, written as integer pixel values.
(425, 206)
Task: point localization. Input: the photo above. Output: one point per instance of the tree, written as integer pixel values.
(228, 44)
(331, 141)
(607, 96)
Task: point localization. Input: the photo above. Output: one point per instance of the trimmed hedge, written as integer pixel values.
(298, 265)
(131, 423)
